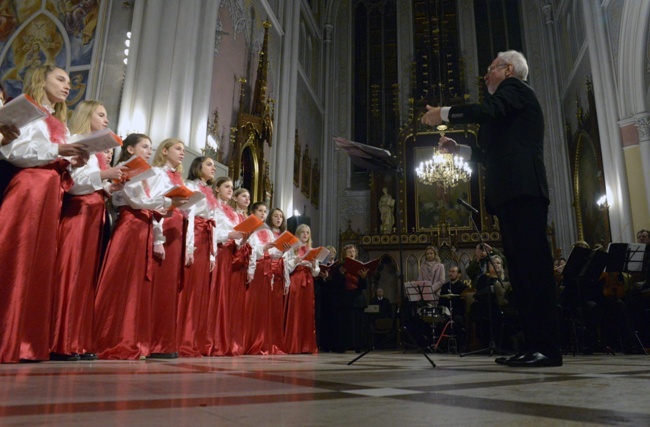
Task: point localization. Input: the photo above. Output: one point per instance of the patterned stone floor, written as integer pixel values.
(384, 388)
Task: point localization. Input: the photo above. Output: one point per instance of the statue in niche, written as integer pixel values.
(386, 206)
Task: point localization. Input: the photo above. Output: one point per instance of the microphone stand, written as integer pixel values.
(491, 348)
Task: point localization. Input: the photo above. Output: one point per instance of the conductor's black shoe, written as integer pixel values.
(58, 357)
(173, 355)
(535, 360)
(505, 360)
(88, 356)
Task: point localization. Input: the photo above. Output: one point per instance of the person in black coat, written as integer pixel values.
(348, 301)
(385, 309)
(511, 139)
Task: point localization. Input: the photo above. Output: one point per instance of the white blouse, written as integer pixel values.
(201, 209)
(87, 179)
(32, 147)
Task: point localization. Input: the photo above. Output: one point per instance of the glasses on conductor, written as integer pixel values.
(494, 67)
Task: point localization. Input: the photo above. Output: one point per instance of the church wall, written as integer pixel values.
(229, 66)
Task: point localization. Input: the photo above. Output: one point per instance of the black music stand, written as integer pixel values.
(378, 160)
(583, 266)
(628, 258)
(419, 291)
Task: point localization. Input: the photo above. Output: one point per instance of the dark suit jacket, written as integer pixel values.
(511, 142)
(385, 309)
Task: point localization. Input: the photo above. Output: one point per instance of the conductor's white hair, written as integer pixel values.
(518, 63)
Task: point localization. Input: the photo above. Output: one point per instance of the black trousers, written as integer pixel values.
(530, 265)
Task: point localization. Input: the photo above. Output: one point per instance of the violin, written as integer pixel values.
(613, 284)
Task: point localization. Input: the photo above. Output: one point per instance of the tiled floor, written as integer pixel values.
(381, 389)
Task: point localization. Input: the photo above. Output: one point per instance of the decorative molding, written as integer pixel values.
(642, 123)
(328, 29)
(241, 19)
(217, 37)
(613, 13)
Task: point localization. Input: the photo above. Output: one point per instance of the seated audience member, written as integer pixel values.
(456, 304)
(479, 263)
(385, 309)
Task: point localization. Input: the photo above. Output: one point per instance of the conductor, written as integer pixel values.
(511, 139)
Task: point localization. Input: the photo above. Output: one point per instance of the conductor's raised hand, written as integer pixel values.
(432, 116)
(363, 273)
(448, 145)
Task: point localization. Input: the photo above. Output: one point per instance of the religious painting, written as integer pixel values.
(296, 161)
(588, 181)
(51, 32)
(306, 173)
(315, 184)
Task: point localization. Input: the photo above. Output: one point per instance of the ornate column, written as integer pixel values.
(541, 53)
(168, 77)
(329, 206)
(282, 155)
(607, 106)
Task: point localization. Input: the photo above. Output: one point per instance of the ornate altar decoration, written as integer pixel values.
(213, 143)
(248, 166)
(296, 161)
(306, 173)
(585, 153)
(315, 184)
(427, 203)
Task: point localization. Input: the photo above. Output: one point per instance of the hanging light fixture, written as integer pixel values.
(445, 169)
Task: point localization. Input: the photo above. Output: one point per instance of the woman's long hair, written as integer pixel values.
(79, 122)
(36, 89)
(160, 159)
(269, 220)
(130, 141)
(196, 169)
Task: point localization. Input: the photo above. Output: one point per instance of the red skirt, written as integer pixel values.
(167, 282)
(299, 323)
(192, 301)
(29, 219)
(264, 308)
(77, 267)
(221, 273)
(231, 282)
(122, 325)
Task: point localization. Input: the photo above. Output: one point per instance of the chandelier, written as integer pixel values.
(445, 169)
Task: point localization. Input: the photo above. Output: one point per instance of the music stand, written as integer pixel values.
(628, 258)
(583, 266)
(419, 291)
(378, 160)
